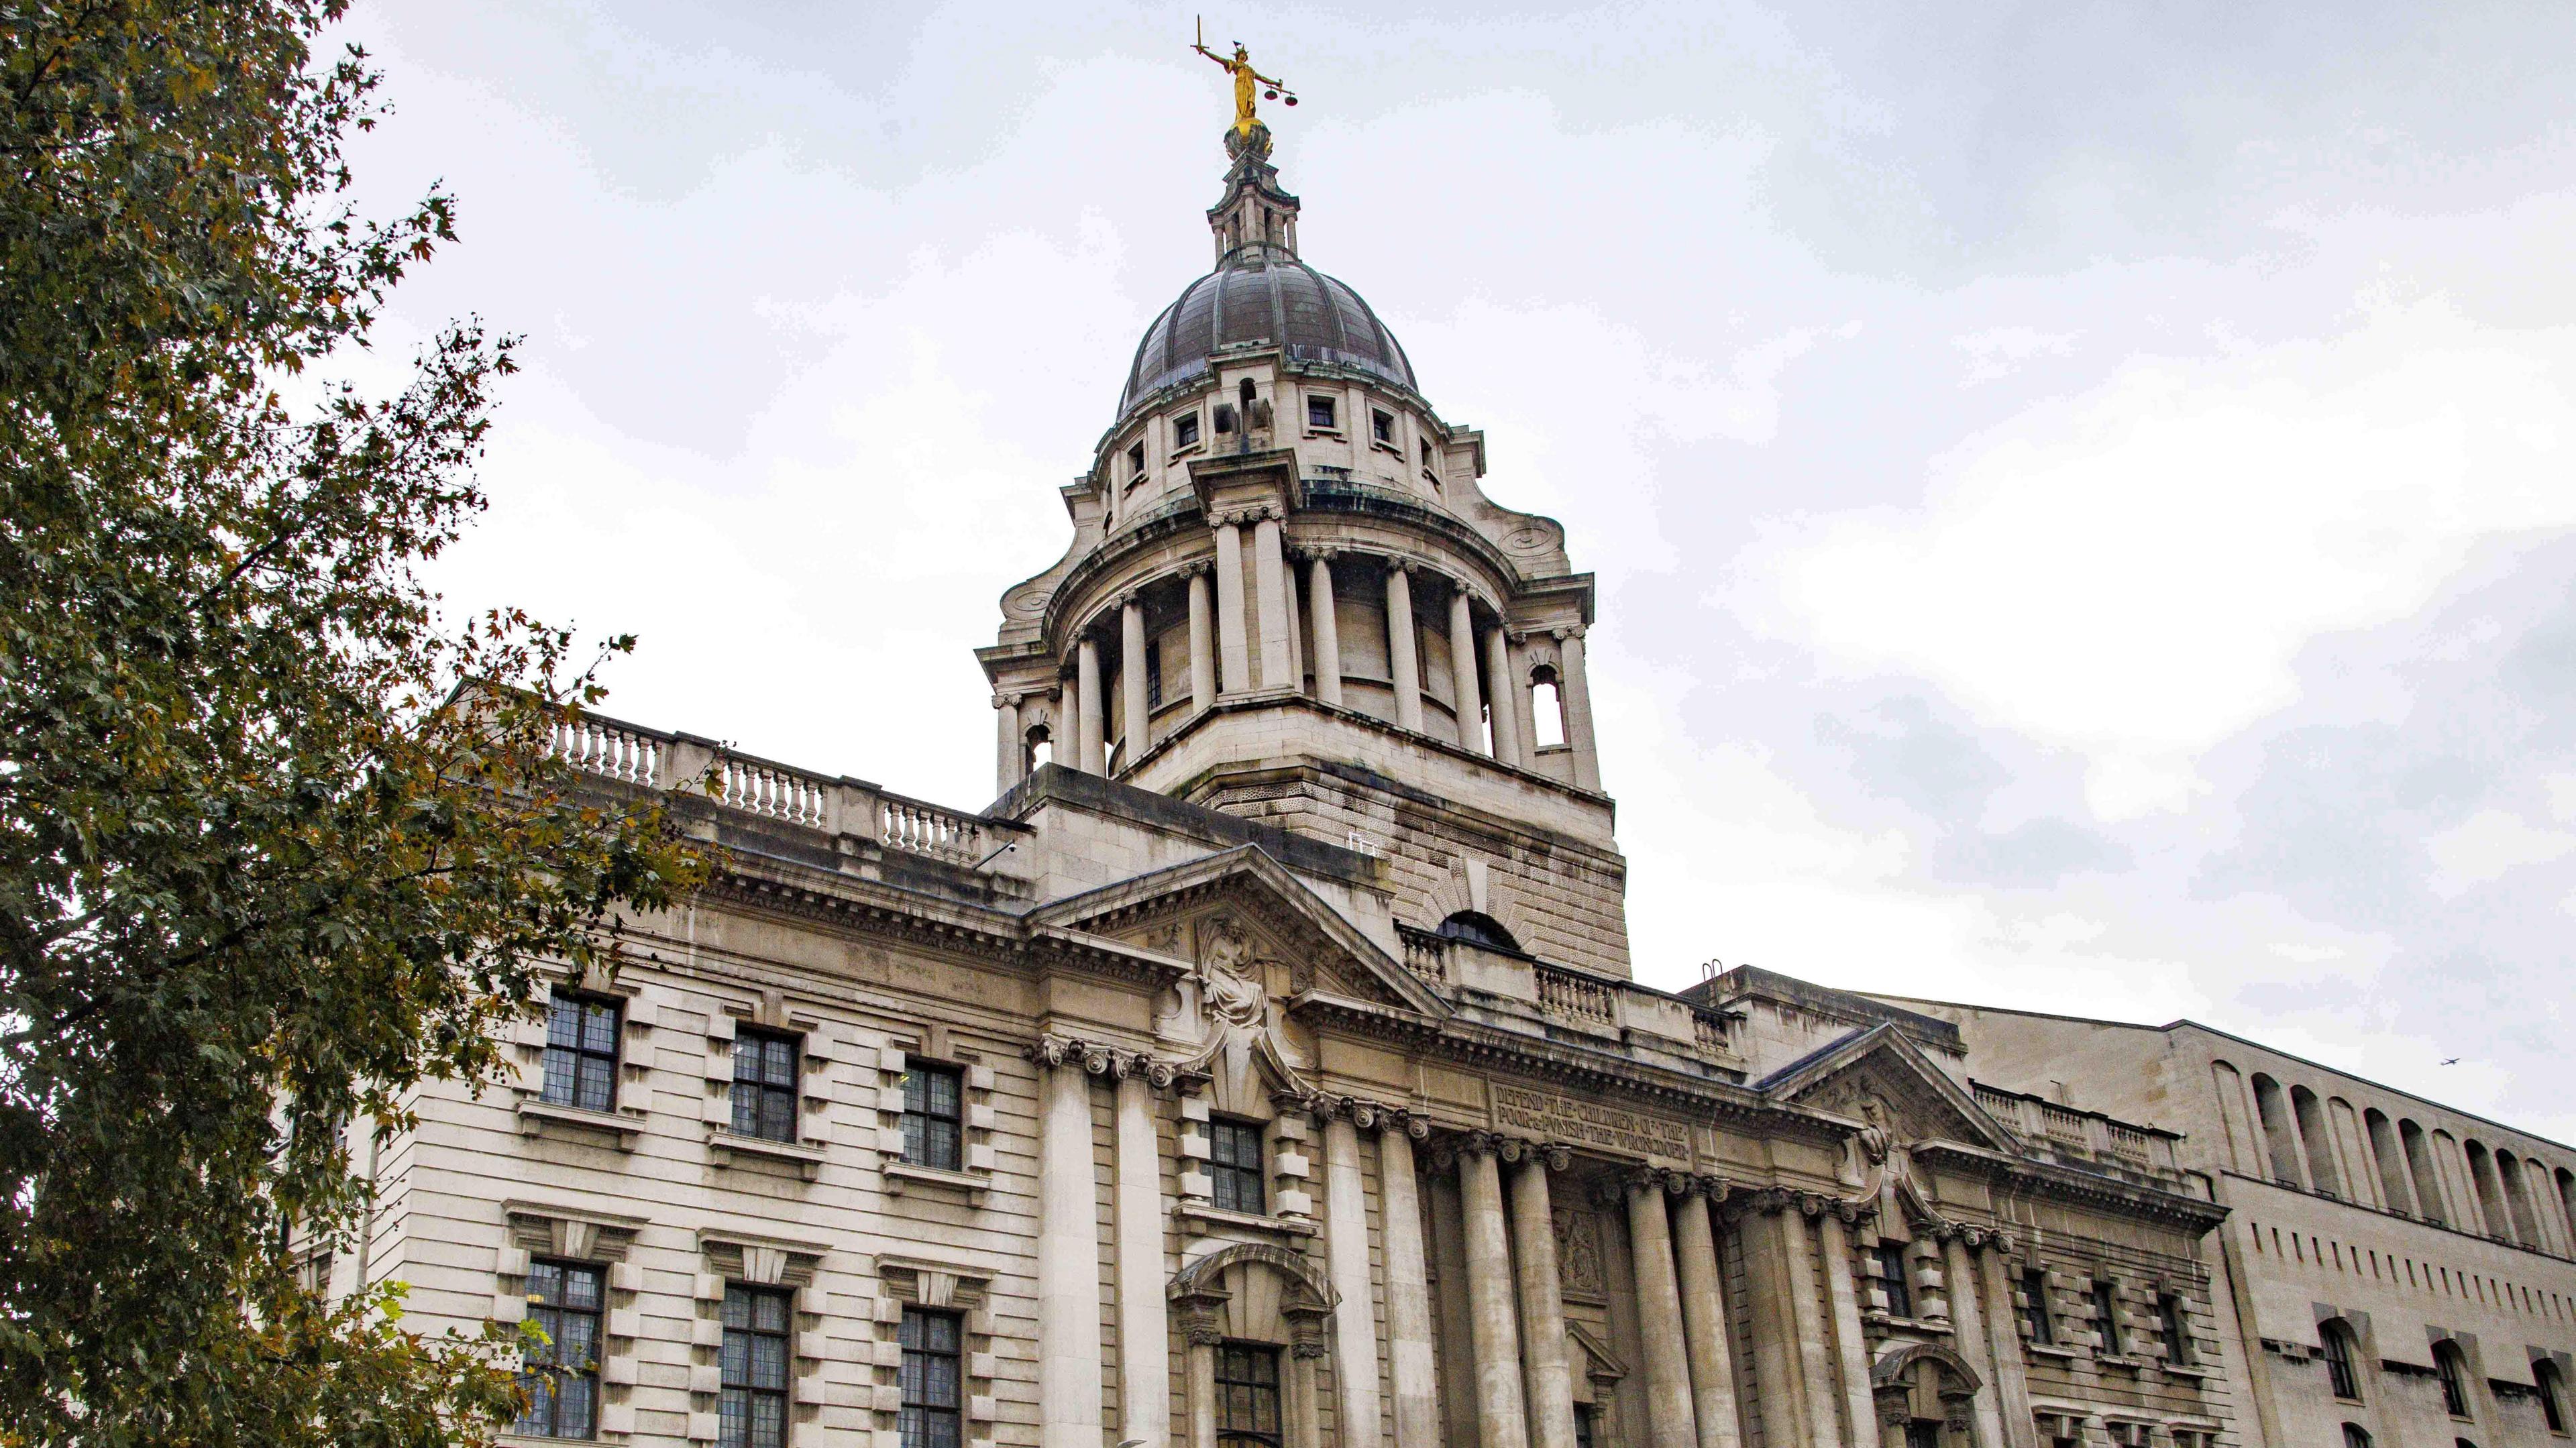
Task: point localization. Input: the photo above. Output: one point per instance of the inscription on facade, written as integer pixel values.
(1552, 1116)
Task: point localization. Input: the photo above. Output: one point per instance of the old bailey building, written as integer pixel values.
(1265, 1067)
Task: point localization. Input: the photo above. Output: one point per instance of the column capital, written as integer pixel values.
(1398, 563)
(1008, 701)
(1570, 631)
(1130, 598)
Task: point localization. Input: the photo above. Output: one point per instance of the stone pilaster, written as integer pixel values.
(1509, 703)
(1968, 1326)
(1671, 1420)
(1010, 751)
(1347, 1263)
(1144, 1334)
(1493, 1333)
(1851, 1350)
(1577, 687)
(1069, 1360)
(1807, 1324)
(1412, 1354)
(1234, 659)
(1270, 592)
(1549, 1382)
(1712, 1360)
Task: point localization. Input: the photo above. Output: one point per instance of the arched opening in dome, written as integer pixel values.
(1478, 928)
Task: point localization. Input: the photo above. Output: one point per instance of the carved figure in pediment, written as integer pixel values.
(1230, 981)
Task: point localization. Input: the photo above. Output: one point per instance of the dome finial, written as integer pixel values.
(1246, 80)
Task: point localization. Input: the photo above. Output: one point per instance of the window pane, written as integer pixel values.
(563, 1022)
(599, 1028)
(558, 1089)
(594, 1088)
(771, 1314)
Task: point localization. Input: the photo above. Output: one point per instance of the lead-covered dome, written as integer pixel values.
(1263, 295)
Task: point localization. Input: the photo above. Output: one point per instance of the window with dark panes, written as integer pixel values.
(752, 1411)
(1153, 675)
(1135, 461)
(2043, 1326)
(2177, 1332)
(1890, 1259)
(1185, 430)
(2454, 1370)
(581, 1053)
(2553, 1395)
(1234, 1166)
(1247, 1393)
(2341, 1375)
(1319, 410)
(2106, 1317)
(561, 1379)
(934, 1116)
(933, 1386)
(1382, 426)
(764, 1085)
(1583, 1427)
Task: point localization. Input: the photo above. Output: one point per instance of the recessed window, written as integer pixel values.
(1185, 430)
(753, 1407)
(1583, 1430)
(1321, 412)
(764, 1085)
(1234, 1165)
(2355, 1436)
(561, 1378)
(581, 1053)
(1382, 427)
(1425, 445)
(2034, 1291)
(2169, 1319)
(933, 1389)
(2454, 1371)
(2553, 1395)
(2342, 1374)
(1135, 461)
(2106, 1317)
(933, 1116)
(1890, 1258)
(1247, 1394)
(1225, 417)
(1153, 674)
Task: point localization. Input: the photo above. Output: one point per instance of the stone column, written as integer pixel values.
(1068, 1260)
(1305, 1425)
(1010, 757)
(1670, 1419)
(1509, 704)
(1131, 676)
(1808, 1324)
(1346, 1251)
(1144, 1332)
(1851, 1350)
(1462, 671)
(1412, 1356)
(1086, 674)
(1968, 1329)
(1201, 1336)
(1543, 1366)
(1712, 1361)
(2003, 1348)
(1492, 1333)
(1401, 655)
(1202, 645)
(1778, 1368)
(1578, 709)
(1328, 627)
(1235, 662)
(1524, 708)
(1270, 596)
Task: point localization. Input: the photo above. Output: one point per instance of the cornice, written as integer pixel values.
(2069, 1184)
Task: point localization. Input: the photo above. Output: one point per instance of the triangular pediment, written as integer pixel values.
(1879, 1077)
(1317, 951)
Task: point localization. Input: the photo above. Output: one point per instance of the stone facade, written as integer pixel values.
(1264, 1064)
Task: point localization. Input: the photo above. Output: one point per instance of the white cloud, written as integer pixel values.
(2131, 572)
(2488, 846)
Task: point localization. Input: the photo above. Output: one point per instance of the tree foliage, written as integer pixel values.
(276, 846)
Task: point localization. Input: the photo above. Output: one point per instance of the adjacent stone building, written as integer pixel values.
(1264, 1065)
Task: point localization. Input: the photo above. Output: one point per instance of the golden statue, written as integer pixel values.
(1246, 80)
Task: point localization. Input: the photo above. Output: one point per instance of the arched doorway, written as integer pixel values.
(1926, 1395)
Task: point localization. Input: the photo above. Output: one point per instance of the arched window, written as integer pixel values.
(2343, 1368)
(1477, 928)
(1547, 708)
(2355, 1437)
(1041, 746)
(2453, 1369)
(1247, 1394)
(2553, 1395)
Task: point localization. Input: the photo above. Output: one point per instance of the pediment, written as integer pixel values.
(1879, 1077)
(1298, 943)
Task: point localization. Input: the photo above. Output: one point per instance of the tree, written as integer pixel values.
(276, 845)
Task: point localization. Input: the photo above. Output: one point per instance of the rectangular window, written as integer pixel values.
(2043, 1325)
(1920, 1434)
(1890, 1260)
(581, 1053)
(1382, 427)
(1153, 675)
(1426, 454)
(561, 1379)
(1135, 462)
(753, 1407)
(933, 1388)
(1320, 411)
(2106, 1317)
(1234, 1166)
(933, 1117)
(1185, 430)
(2177, 1333)
(1583, 1425)
(1247, 1394)
(764, 1085)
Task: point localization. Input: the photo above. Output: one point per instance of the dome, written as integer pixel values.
(1263, 294)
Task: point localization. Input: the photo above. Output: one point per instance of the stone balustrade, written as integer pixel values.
(745, 784)
(1578, 998)
(2080, 1136)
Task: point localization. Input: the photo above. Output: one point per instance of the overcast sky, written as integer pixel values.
(2081, 494)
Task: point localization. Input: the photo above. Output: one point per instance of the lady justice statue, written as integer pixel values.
(1248, 133)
